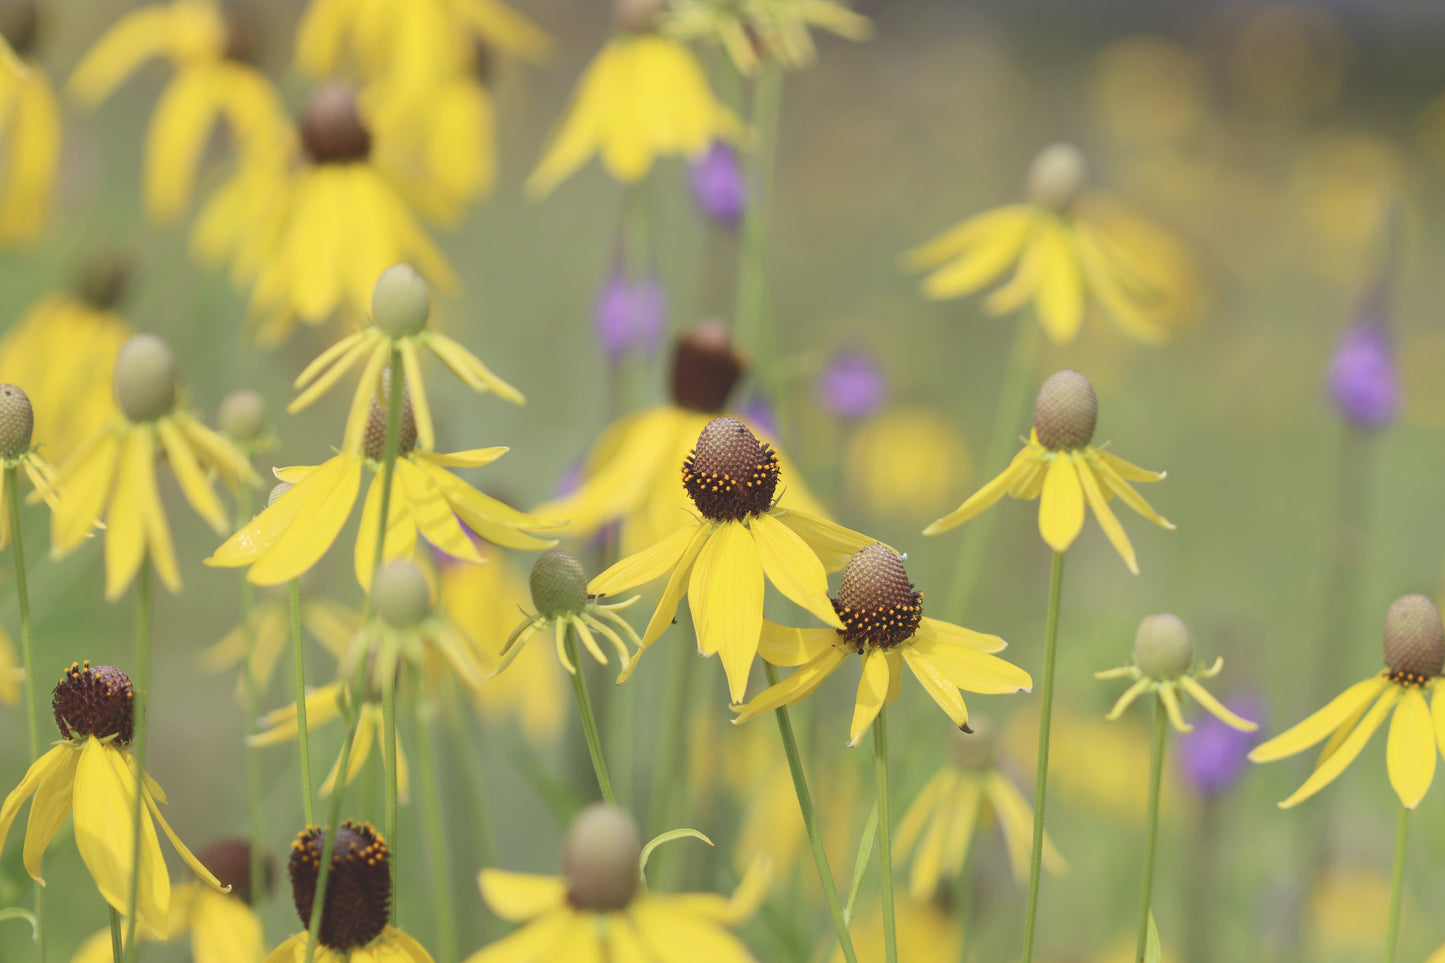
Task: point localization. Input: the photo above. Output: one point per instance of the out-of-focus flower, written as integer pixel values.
(719, 184)
(1065, 259)
(213, 81)
(11, 674)
(1063, 470)
(1364, 381)
(268, 635)
(1414, 642)
(559, 592)
(926, 931)
(1093, 763)
(1149, 91)
(1215, 754)
(643, 97)
(1342, 188)
(629, 315)
(851, 387)
(280, 727)
(1346, 904)
(906, 461)
(755, 30)
(29, 131)
(1292, 57)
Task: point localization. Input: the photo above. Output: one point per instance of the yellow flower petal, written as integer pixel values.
(1059, 297)
(967, 668)
(994, 241)
(1061, 506)
(1125, 470)
(792, 567)
(783, 645)
(833, 543)
(1125, 700)
(1016, 819)
(335, 361)
(518, 897)
(1317, 726)
(41, 771)
(471, 458)
(131, 41)
(399, 540)
(646, 565)
(1107, 521)
(726, 599)
(54, 795)
(104, 805)
(125, 536)
(682, 937)
(470, 368)
(1410, 749)
(179, 131)
(224, 929)
(800, 684)
(939, 688)
(1171, 708)
(191, 475)
(322, 503)
(421, 408)
(947, 632)
(533, 943)
(872, 690)
(1214, 707)
(1349, 749)
(496, 522)
(87, 478)
(986, 496)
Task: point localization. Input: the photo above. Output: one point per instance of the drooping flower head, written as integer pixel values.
(1414, 643)
(559, 592)
(407, 631)
(772, 30)
(1063, 469)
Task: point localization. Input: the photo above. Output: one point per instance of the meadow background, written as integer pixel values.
(1270, 137)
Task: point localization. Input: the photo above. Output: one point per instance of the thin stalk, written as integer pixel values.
(1151, 827)
(308, 796)
(117, 951)
(431, 788)
(388, 758)
(27, 659)
(885, 833)
(810, 822)
(1013, 396)
(749, 306)
(589, 721)
(1397, 885)
(963, 897)
(255, 789)
(1041, 777)
(142, 681)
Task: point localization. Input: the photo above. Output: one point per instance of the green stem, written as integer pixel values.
(27, 660)
(308, 796)
(671, 742)
(388, 758)
(810, 822)
(1012, 398)
(431, 788)
(963, 906)
(117, 951)
(589, 722)
(749, 306)
(885, 833)
(1151, 827)
(1397, 885)
(1041, 777)
(142, 680)
(255, 789)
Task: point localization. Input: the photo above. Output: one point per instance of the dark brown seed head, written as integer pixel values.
(331, 128)
(1065, 412)
(705, 368)
(559, 584)
(1414, 640)
(103, 280)
(638, 16)
(245, 32)
(17, 421)
(730, 475)
(601, 859)
(230, 861)
(358, 891)
(373, 444)
(20, 25)
(876, 601)
(1163, 648)
(97, 701)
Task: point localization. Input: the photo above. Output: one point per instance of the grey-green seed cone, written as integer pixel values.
(602, 859)
(1414, 638)
(400, 593)
(17, 421)
(1056, 176)
(145, 378)
(1163, 648)
(559, 584)
(242, 415)
(1066, 411)
(400, 302)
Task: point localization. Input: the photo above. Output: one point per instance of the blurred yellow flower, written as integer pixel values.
(1343, 186)
(772, 29)
(906, 461)
(280, 727)
(392, 946)
(1092, 762)
(1148, 90)
(269, 635)
(643, 97)
(926, 931)
(212, 81)
(29, 144)
(1346, 904)
(1291, 57)
(11, 674)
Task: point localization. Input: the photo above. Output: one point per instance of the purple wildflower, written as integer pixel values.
(1214, 755)
(629, 315)
(719, 186)
(759, 415)
(851, 387)
(1364, 382)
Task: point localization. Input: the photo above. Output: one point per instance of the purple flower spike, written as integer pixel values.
(1363, 381)
(851, 387)
(629, 315)
(1214, 755)
(719, 186)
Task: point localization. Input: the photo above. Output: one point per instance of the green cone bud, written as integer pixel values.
(1056, 175)
(17, 421)
(1414, 639)
(243, 415)
(601, 859)
(559, 585)
(1163, 648)
(401, 595)
(400, 302)
(145, 378)
(1066, 411)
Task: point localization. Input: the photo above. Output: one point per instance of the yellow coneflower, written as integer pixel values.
(280, 727)
(213, 81)
(29, 133)
(559, 592)
(776, 29)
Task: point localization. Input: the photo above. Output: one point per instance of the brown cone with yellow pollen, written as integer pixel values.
(97, 702)
(876, 601)
(331, 128)
(730, 475)
(1066, 411)
(601, 859)
(358, 891)
(705, 368)
(1414, 640)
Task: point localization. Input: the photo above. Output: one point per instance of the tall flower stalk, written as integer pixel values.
(1041, 773)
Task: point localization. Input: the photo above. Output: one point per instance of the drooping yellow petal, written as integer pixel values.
(1107, 521)
(978, 231)
(532, 944)
(330, 365)
(179, 131)
(189, 473)
(471, 458)
(496, 522)
(947, 632)
(88, 479)
(915, 817)
(1116, 484)
(792, 567)
(783, 645)
(1214, 707)
(132, 40)
(187, 856)
(125, 541)
(1125, 470)
(833, 543)
(54, 795)
(1059, 298)
(681, 937)
(996, 246)
(967, 668)
(1327, 770)
(224, 929)
(672, 594)
(646, 565)
(872, 691)
(1016, 819)
(431, 513)
(1061, 506)
(399, 539)
(470, 368)
(1171, 708)
(726, 591)
(104, 803)
(39, 773)
(317, 518)
(938, 687)
(986, 496)
(425, 431)
(518, 897)
(1125, 700)
(803, 682)
(1410, 749)
(1320, 724)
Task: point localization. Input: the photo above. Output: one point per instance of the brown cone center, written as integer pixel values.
(730, 475)
(331, 127)
(358, 891)
(876, 601)
(97, 701)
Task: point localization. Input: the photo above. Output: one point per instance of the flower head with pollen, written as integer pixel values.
(1070, 253)
(630, 476)
(882, 621)
(755, 31)
(30, 128)
(355, 921)
(298, 527)
(1414, 642)
(1063, 469)
(91, 774)
(1164, 664)
(112, 475)
(400, 315)
(600, 909)
(740, 537)
(559, 593)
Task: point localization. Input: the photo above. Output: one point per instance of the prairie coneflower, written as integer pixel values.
(213, 81)
(407, 631)
(29, 129)
(559, 592)
(1064, 471)
(1414, 642)
(299, 525)
(774, 29)
(17, 422)
(599, 908)
(883, 621)
(1066, 260)
(355, 918)
(721, 558)
(112, 475)
(91, 774)
(643, 97)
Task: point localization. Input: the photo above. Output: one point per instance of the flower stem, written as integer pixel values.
(1012, 398)
(749, 305)
(810, 822)
(589, 722)
(885, 833)
(27, 659)
(308, 797)
(431, 787)
(1041, 777)
(117, 952)
(1151, 827)
(1397, 885)
(255, 790)
(388, 758)
(142, 681)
